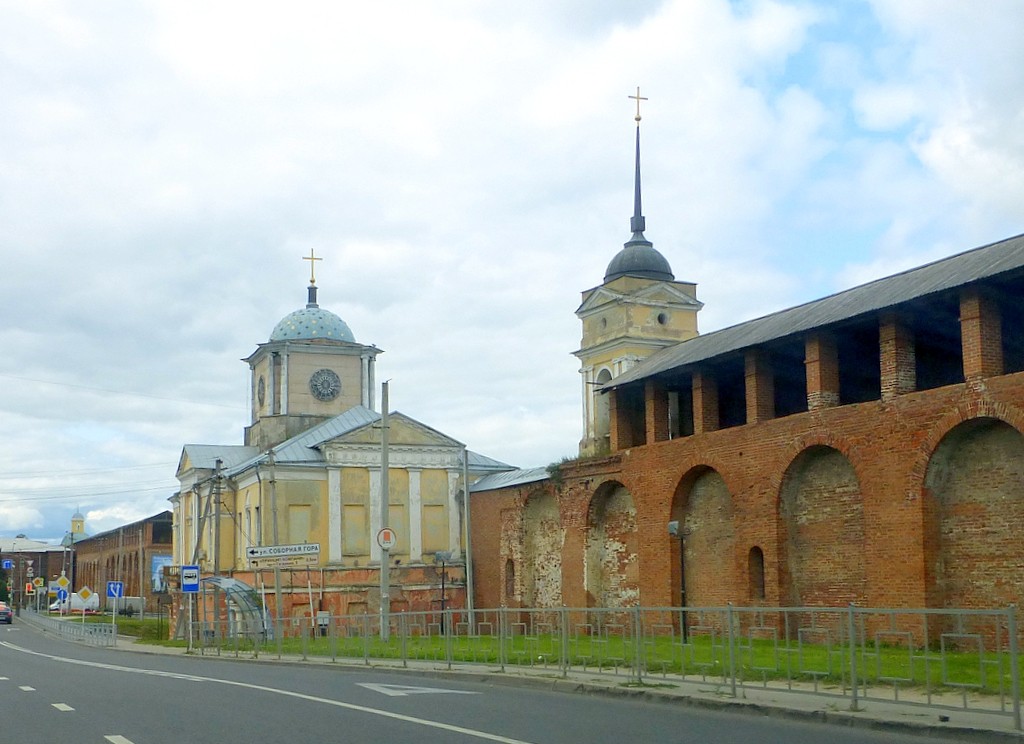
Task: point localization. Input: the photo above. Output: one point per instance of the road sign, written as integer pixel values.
(39, 581)
(8, 564)
(62, 594)
(262, 552)
(190, 579)
(63, 582)
(30, 588)
(285, 561)
(387, 538)
(115, 589)
(85, 592)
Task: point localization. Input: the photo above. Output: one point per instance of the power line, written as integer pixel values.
(120, 392)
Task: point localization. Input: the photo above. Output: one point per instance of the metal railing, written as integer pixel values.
(939, 658)
(73, 629)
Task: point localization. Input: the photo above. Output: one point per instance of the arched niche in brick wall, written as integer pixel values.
(821, 531)
(541, 573)
(704, 574)
(974, 510)
(611, 561)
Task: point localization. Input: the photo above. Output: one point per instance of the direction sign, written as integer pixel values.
(190, 579)
(8, 564)
(285, 561)
(62, 594)
(261, 552)
(115, 589)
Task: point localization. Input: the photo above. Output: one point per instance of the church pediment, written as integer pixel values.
(402, 430)
(664, 294)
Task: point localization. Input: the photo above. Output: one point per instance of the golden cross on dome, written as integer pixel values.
(312, 266)
(637, 98)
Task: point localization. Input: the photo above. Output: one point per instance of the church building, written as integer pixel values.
(310, 473)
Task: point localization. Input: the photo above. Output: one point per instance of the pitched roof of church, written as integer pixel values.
(304, 448)
(985, 262)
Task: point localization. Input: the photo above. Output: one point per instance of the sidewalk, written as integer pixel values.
(904, 717)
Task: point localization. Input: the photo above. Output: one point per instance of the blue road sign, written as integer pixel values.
(62, 594)
(8, 564)
(115, 589)
(190, 579)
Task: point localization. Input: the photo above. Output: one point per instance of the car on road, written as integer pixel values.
(6, 615)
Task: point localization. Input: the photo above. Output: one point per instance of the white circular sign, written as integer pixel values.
(387, 538)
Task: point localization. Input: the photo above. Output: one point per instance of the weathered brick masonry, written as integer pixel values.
(884, 466)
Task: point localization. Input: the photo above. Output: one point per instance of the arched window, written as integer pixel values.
(755, 572)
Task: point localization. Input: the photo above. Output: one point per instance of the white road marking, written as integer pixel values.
(287, 693)
(62, 706)
(26, 688)
(117, 739)
(403, 690)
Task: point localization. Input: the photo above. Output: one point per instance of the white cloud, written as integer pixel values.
(465, 169)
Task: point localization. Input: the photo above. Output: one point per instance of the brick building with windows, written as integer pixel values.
(134, 554)
(866, 447)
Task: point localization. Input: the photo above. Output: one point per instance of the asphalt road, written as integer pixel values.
(57, 691)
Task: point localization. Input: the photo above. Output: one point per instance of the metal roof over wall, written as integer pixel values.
(986, 262)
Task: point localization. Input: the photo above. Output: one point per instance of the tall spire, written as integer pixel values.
(637, 224)
(638, 258)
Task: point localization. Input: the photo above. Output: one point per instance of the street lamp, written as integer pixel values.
(442, 557)
(678, 531)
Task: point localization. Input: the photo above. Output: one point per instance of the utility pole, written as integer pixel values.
(277, 568)
(385, 498)
(216, 545)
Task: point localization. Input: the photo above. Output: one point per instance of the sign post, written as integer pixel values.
(115, 589)
(190, 586)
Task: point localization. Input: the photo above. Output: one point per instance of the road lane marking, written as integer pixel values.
(287, 693)
(62, 706)
(403, 690)
(117, 739)
(26, 688)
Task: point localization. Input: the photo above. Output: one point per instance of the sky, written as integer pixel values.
(465, 170)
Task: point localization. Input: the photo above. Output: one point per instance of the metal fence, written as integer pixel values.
(73, 629)
(953, 659)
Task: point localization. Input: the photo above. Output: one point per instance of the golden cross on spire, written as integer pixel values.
(312, 266)
(637, 98)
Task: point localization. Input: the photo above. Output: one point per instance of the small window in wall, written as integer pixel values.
(755, 572)
(510, 579)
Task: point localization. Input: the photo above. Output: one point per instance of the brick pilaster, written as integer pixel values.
(897, 356)
(760, 386)
(705, 403)
(822, 367)
(655, 411)
(620, 432)
(980, 334)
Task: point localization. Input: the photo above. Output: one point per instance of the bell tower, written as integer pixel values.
(310, 370)
(638, 309)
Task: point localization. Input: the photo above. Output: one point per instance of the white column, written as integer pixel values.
(284, 381)
(364, 382)
(415, 516)
(333, 515)
(589, 392)
(374, 514)
(454, 541)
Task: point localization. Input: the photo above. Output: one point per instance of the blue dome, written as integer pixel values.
(311, 323)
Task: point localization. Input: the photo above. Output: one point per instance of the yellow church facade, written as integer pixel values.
(309, 472)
